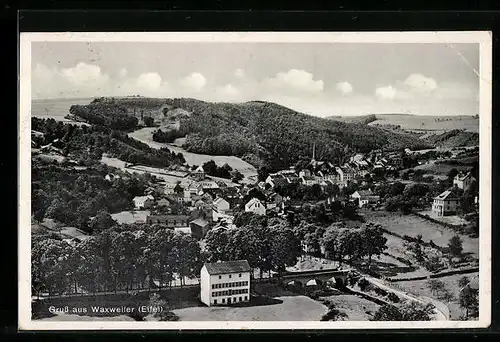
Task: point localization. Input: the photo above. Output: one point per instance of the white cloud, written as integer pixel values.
(149, 81)
(296, 80)
(228, 90)
(123, 72)
(85, 74)
(195, 81)
(419, 82)
(344, 87)
(387, 92)
(239, 73)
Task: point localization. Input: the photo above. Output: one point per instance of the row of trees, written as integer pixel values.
(268, 248)
(120, 258)
(338, 241)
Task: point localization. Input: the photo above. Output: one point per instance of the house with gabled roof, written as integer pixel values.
(255, 206)
(198, 174)
(463, 180)
(221, 205)
(446, 203)
(143, 202)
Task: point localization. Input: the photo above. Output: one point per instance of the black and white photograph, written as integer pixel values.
(255, 180)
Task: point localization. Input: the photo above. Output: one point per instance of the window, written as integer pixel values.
(229, 276)
(246, 297)
(240, 275)
(240, 299)
(213, 286)
(223, 300)
(215, 301)
(214, 294)
(220, 277)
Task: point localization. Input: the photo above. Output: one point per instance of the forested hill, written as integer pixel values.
(262, 133)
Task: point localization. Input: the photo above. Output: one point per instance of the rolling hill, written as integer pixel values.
(262, 133)
(418, 123)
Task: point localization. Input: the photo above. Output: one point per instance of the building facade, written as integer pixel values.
(255, 206)
(445, 204)
(463, 181)
(225, 283)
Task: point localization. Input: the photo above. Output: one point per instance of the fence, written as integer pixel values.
(438, 275)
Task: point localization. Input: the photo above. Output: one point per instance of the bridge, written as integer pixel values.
(302, 278)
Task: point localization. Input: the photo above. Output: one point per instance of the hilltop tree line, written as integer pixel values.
(111, 115)
(86, 142)
(120, 258)
(276, 135)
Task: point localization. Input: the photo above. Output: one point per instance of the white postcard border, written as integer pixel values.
(24, 176)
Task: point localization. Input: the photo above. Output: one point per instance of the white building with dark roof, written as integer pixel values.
(446, 203)
(225, 282)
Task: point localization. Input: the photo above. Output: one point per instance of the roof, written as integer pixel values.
(199, 169)
(448, 195)
(252, 202)
(462, 176)
(219, 200)
(170, 217)
(225, 267)
(200, 222)
(143, 198)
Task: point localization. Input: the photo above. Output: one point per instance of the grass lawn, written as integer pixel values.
(421, 288)
(356, 308)
(128, 217)
(276, 305)
(145, 135)
(452, 219)
(412, 225)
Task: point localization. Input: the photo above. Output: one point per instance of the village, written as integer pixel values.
(189, 201)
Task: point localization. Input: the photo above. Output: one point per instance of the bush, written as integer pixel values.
(393, 297)
(363, 284)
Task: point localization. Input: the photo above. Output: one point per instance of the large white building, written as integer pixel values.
(225, 282)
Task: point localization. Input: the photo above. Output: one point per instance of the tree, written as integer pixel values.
(373, 240)
(436, 286)
(148, 121)
(156, 301)
(469, 300)
(285, 247)
(236, 176)
(455, 246)
(405, 311)
(216, 244)
(102, 221)
(451, 174)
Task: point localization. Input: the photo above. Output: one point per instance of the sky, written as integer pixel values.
(321, 79)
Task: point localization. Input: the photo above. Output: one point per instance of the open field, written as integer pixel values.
(276, 305)
(145, 135)
(420, 123)
(413, 225)
(56, 109)
(428, 123)
(127, 217)
(452, 219)
(441, 168)
(356, 308)
(421, 288)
